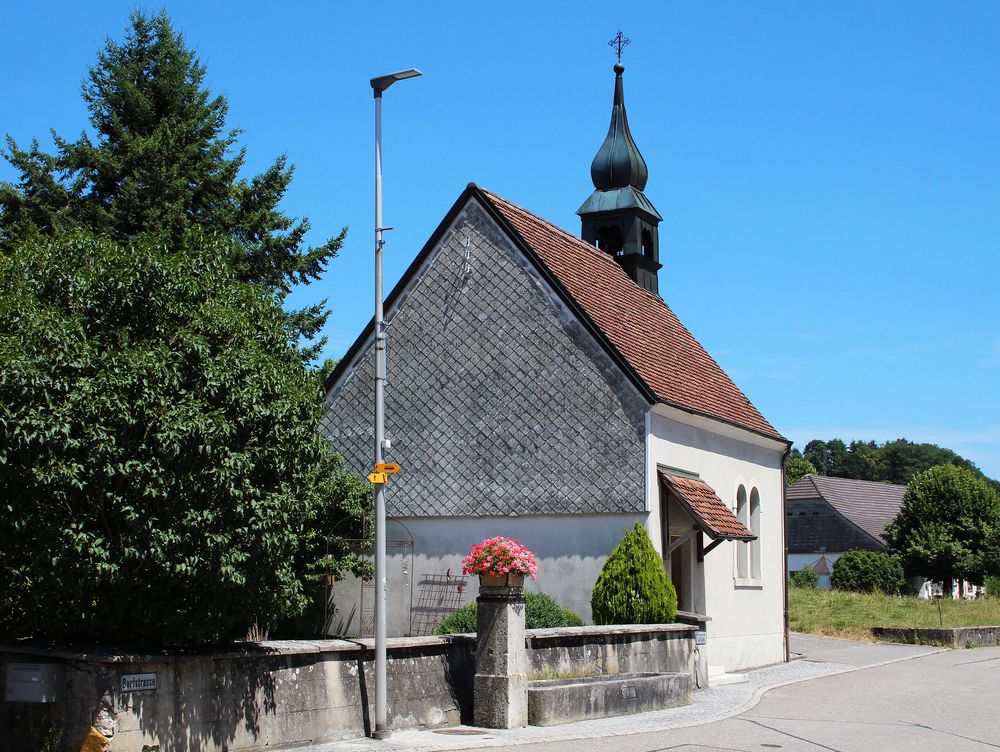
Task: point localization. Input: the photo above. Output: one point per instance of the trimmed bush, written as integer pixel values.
(805, 578)
(867, 572)
(633, 587)
(540, 612)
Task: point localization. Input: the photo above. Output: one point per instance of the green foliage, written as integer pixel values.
(992, 583)
(892, 462)
(948, 526)
(161, 476)
(161, 161)
(868, 572)
(796, 466)
(633, 587)
(805, 578)
(540, 612)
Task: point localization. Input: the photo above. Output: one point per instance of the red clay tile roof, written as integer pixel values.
(642, 328)
(711, 513)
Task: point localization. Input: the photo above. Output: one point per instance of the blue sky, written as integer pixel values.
(828, 174)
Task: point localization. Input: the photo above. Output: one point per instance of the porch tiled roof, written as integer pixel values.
(709, 511)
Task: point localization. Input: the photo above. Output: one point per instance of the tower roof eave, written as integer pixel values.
(617, 199)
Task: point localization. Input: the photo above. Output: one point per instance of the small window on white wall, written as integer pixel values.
(755, 529)
(742, 550)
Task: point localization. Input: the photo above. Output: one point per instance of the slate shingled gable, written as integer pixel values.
(638, 330)
(499, 402)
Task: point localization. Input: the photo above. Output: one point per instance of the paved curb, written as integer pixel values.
(642, 723)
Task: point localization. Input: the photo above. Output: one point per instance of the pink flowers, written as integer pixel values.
(500, 556)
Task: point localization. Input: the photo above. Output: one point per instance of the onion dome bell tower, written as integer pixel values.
(617, 217)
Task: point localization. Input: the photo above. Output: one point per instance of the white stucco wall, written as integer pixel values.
(747, 617)
(570, 550)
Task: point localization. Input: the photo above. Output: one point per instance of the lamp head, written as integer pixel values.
(381, 83)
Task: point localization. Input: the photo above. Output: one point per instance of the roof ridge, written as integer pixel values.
(608, 262)
(592, 250)
(876, 483)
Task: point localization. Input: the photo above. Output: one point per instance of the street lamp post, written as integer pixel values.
(381, 729)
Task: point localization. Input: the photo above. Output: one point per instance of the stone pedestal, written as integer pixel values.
(500, 688)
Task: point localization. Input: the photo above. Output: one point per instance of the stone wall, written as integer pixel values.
(299, 692)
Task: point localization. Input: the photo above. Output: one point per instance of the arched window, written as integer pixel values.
(755, 529)
(609, 240)
(647, 244)
(742, 550)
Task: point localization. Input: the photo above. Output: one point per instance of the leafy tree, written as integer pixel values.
(160, 161)
(863, 461)
(836, 458)
(946, 528)
(633, 587)
(796, 466)
(903, 459)
(868, 572)
(161, 478)
(815, 453)
(892, 462)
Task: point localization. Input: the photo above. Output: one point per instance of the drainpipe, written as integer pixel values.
(784, 541)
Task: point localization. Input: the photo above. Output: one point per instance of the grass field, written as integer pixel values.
(852, 615)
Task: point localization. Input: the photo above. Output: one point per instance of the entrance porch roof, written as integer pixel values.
(708, 511)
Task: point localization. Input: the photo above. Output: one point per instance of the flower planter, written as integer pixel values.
(511, 581)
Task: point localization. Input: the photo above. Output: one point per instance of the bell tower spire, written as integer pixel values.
(618, 218)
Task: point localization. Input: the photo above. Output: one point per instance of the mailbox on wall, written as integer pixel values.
(34, 682)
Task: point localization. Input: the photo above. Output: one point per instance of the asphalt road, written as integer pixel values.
(947, 701)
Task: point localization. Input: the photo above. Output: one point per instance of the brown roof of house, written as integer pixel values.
(867, 504)
(637, 323)
(709, 511)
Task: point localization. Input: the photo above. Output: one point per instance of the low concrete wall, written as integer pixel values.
(594, 650)
(275, 694)
(958, 637)
(555, 701)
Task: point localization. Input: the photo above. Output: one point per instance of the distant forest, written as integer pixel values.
(892, 462)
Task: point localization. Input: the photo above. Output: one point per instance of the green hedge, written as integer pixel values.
(805, 578)
(868, 571)
(540, 612)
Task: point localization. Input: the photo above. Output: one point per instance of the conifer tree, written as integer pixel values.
(160, 159)
(633, 587)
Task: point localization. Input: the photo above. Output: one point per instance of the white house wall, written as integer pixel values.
(570, 549)
(747, 617)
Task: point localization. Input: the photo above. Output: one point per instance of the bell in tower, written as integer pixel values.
(618, 218)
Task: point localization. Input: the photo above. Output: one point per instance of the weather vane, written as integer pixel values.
(620, 41)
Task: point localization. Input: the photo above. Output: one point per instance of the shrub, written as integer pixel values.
(633, 587)
(992, 584)
(540, 612)
(868, 571)
(805, 578)
(461, 620)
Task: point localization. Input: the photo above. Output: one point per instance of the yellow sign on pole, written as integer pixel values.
(378, 477)
(387, 467)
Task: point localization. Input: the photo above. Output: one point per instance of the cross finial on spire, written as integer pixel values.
(620, 42)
